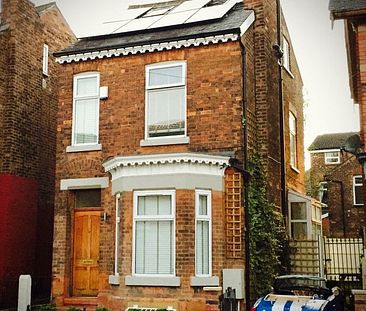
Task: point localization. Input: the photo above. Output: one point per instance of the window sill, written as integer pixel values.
(164, 141)
(81, 148)
(204, 281)
(171, 281)
(295, 169)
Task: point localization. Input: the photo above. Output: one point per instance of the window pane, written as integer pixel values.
(167, 75)
(154, 247)
(298, 210)
(202, 247)
(358, 195)
(166, 112)
(154, 205)
(88, 198)
(86, 120)
(203, 205)
(87, 86)
(298, 230)
(292, 149)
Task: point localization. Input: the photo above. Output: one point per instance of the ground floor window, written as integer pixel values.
(154, 233)
(203, 233)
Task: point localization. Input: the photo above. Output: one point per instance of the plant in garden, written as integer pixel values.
(268, 240)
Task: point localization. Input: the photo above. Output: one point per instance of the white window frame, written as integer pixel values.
(172, 217)
(294, 197)
(91, 96)
(165, 86)
(207, 218)
(293, 133)
(327, 157)
(45, 60)
(354, 185)
(286, 54)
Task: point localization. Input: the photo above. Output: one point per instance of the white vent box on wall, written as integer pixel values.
(103, 92)
(234, 278)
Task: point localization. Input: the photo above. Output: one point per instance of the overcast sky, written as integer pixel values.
(319, 49)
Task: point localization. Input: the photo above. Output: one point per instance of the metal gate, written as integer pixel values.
(342, 265)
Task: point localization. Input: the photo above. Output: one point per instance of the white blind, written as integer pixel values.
(86, 131)
(203, 225)
(154, 237)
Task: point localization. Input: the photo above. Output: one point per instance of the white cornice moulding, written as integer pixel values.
(155, 47)
(175, 163)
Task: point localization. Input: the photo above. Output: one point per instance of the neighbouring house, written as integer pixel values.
(336, 180)
(156, 119)
(29, 36)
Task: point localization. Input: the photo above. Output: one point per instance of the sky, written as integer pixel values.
(319, 49)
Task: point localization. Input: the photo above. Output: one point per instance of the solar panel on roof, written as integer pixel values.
(174, 19)
(140, 23)
(187, 12)
(212, 12)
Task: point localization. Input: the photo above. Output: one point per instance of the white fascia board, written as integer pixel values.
(84, 183)
(159, 159)
(324, 150)
(247, 23)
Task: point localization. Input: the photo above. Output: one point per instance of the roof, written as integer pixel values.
(231, 22)
(330, 141)
(343, 6)
(46, 6)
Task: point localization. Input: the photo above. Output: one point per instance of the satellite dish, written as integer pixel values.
(352, 144)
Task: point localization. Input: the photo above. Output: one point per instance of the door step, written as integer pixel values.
(83, 303)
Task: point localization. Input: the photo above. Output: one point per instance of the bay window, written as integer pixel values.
(203, 233)
(154, 233)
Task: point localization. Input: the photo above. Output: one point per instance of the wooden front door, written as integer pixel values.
(86, 253)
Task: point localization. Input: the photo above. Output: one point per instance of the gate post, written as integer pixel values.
(321, 255)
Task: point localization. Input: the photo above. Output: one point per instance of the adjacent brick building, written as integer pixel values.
(154, 127)
(336, 179)
(28, 104)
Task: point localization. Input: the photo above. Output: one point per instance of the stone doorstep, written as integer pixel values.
(90, 303)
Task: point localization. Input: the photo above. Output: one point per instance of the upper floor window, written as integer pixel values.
(166, 100)
(203, 233)
(154, 233)
(45, 59)
(332, 157)
(323, 192)
(293, 139)
(85, 126)
(286, 54)
(357, 190)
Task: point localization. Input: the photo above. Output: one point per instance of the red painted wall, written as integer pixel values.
(18, 221)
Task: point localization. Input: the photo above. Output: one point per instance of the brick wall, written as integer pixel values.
(214, 115)
(347, 221)
(267, 111)
(28, 104)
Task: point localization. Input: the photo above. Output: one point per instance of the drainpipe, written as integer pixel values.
(116, 244)
(279, 54)
(114, 278)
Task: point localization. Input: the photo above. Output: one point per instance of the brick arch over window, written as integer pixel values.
(84, 168)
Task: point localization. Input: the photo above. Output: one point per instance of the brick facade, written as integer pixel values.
(346, 221)
(215, 103)
(27, 131)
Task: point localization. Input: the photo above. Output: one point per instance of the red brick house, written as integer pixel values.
(336, 179)
(155, 121)
(28, 104)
